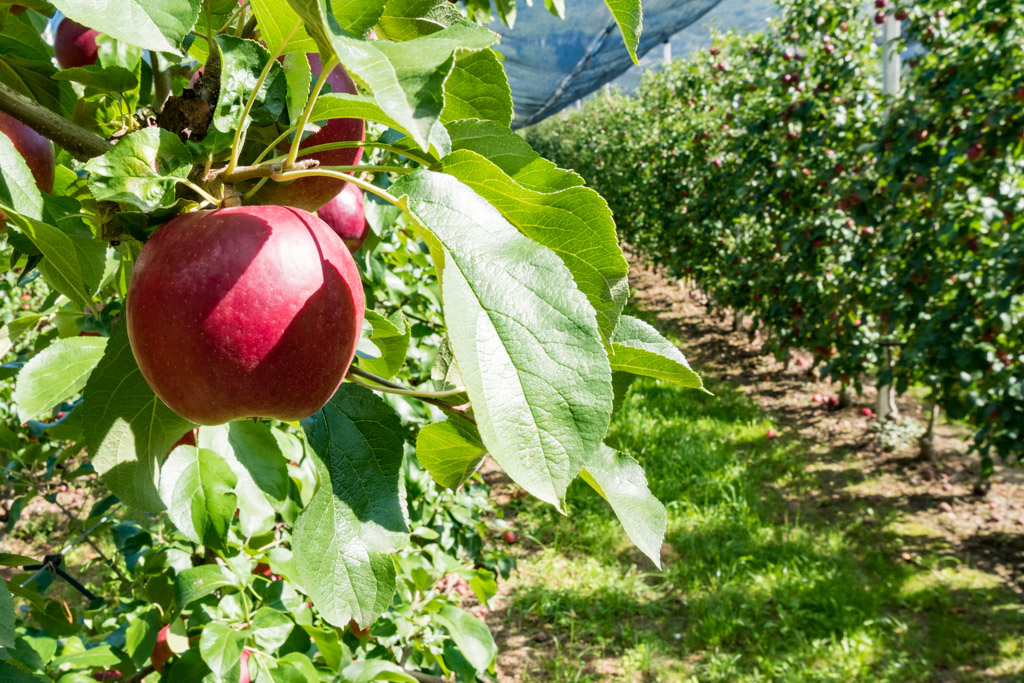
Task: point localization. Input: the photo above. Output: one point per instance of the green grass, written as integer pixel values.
(760, 583)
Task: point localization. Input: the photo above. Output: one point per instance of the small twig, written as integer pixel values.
(80, 143)
(386, 385)
(266, 170)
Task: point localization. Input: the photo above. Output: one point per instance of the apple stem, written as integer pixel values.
(200, 191)
(430, 397)
(293, 151)
(236, 146)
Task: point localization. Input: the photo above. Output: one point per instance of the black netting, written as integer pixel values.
(551, 63)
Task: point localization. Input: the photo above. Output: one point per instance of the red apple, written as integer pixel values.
(244, 677)
(36, 150)
(975, 152)
(510, 537)
(189, 439)
(346, 216)
(250, 311)
(75, 45)
(879, 17)
(901, 14)
(771, 434)
(162, 650)
(867, 412)
(312, 193)
(356, 630)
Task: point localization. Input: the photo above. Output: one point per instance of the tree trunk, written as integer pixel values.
(737, 320)
(885, 407)
(927, 440)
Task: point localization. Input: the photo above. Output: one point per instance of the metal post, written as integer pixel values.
(891, 56)
(666, 53)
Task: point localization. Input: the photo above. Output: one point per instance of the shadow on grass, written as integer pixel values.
(765, 577)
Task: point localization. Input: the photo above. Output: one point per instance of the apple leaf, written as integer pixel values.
(391, 337)
(406, 79)
(451, 451)
(630, 17)
(11, 331)
(345, 106)
(7, 620)
(298, 76)
(574, 223)
(369, 670)
(196, 583)
(126, 426)
(158, 25)
(640, 349)
(18, 189)
(408, 19)
(512, 154)
(141, 169)
(26, 66)
(56, 373)
(621, 481)
(526, 339)
(221, 648)
(140, 636)
(276, 19)
(259, 465)
(342, 538)
(242, 63)
(198, 488)
(107, 79)
(270, 629)
(478, 89)
(471, 636)
(72, 264)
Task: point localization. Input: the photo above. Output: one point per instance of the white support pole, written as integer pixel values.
(666, 53)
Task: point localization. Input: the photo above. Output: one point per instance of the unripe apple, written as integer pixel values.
(36, 150)
(346, 216)
(313, 192)
(249, 311)
(75, 45)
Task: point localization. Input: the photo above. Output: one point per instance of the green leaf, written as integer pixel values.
(150, 24)
(72, 264)
(298, 76)
(108, 79)
(127, 427)
(196, 583)
(357, 16)
(270, 629)
(11, 331)
(369, 670)
(11, 674)
(471, 635)
(142, 169)
(342, 539)
(221, 648)
(197, 486)
(140, 636)
(7, 619)
(621, 481)
(407, 78)
(525, 338)
(391, 337)
(450, 451)
(26, 66)
(512, 154)
(408, 19)
(575, 223)
(56, 373)
(14, 560)
(261, 469)
(478, 89)
(630, 17)
(640, 349)
(242, 63)
(276, 19)
(94, 657)
(345, 106)
(18, 189)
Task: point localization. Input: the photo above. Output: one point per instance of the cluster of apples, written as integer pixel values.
(245, 311)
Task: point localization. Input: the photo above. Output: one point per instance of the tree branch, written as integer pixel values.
(81, 143)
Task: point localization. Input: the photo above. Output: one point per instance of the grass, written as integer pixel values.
(760, 583)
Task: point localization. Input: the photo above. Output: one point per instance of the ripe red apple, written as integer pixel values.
(901, 14)
(250, 311)
(312, 193)
(975, 152)
(510, 537)
(36, 150)
(880, 4)
(356, 630)
(771, 434)
(879, 17)
(244, 676)
(189, 439)
(162, 650)
(867, 412)
(75, 45)
(346, 216)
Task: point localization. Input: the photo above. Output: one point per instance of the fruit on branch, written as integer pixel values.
(189, 439)
(75, 45)
(346, 216)
(313, 192)
(244, 676)
(36, 150)
(250, 311)
(161, 650)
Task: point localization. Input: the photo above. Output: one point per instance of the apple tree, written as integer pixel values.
(282, 282)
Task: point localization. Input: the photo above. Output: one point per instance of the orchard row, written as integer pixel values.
(772, 169)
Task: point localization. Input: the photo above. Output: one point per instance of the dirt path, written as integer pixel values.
(934, 501)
